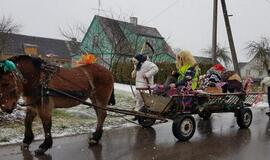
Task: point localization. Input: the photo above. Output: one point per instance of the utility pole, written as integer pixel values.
(230, 37)
(214, 33)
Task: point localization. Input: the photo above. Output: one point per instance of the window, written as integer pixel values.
(247, 72)
(260, 72)
(95, 41)
(30, 49)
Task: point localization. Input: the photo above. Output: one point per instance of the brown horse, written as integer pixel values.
(32, 79)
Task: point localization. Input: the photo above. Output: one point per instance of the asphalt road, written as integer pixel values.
(218, 138)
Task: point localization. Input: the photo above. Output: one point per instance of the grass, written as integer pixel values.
(58, 113)
(4, 139)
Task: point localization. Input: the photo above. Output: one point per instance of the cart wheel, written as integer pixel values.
(184, 127)
(244, 118)
(144, 121)
(205, 115)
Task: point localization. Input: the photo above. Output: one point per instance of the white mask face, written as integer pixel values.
(134, 61)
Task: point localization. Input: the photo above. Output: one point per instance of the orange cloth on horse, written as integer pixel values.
(87, 59)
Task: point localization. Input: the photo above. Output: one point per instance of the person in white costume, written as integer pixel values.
(143, 73)
(265, 83)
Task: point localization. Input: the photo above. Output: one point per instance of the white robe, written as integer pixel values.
(149, 69)
(265, 83)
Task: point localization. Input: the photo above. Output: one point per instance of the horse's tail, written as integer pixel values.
(112, 99)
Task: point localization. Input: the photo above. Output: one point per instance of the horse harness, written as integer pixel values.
(90, 81)
(50, 71)
(44, 91)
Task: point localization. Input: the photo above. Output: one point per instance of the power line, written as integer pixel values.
(163, 11)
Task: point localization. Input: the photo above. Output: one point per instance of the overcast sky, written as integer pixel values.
(187, 24)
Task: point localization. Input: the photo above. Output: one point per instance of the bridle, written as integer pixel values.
(17, 75)
(19, 80)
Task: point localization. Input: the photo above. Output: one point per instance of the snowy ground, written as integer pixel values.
(76, 120)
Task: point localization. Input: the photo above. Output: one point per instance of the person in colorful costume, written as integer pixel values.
(212, 81)
(188, 72)
(232, 82)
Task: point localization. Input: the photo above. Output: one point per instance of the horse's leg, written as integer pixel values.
(101, 115)
(45, 114)
(28, 133)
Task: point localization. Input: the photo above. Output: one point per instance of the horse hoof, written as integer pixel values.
(92, 142)
(40, 151)
(24, 146)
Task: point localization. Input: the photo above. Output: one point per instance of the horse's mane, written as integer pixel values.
(35, 60)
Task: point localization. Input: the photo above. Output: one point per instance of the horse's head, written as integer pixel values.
(10, 88)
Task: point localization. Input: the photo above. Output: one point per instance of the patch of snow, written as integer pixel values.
(17, 115)
(124, 87)
(261, 104)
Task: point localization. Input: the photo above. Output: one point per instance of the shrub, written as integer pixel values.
(122, 71)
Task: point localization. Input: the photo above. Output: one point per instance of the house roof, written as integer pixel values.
(137, 29)
(45, 46)
(114, 32)
(254, 57)
(242, 64)
(203, 60)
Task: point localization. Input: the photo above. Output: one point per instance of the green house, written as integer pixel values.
(113, 40)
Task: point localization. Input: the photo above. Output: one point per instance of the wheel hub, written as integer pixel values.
(247, 118)
(186, 127)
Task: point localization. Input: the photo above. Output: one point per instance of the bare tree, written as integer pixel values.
(7, 27)
(111, 41)
(222, 54)
(108, 54)
(74, 34)
(74, 31)
(261, 51)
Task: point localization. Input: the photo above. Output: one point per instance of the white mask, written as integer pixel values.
(135, 61)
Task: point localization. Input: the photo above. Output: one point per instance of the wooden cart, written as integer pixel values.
(181, 107)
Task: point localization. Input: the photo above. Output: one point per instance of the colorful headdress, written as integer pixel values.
(87, 59)
(219, 67)
(8, 66)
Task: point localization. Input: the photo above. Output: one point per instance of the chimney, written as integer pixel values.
(73, 39)
(134, 20)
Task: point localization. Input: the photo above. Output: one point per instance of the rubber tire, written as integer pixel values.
(176, 127)
(205, 115)
(242, 116)
(144, 121)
